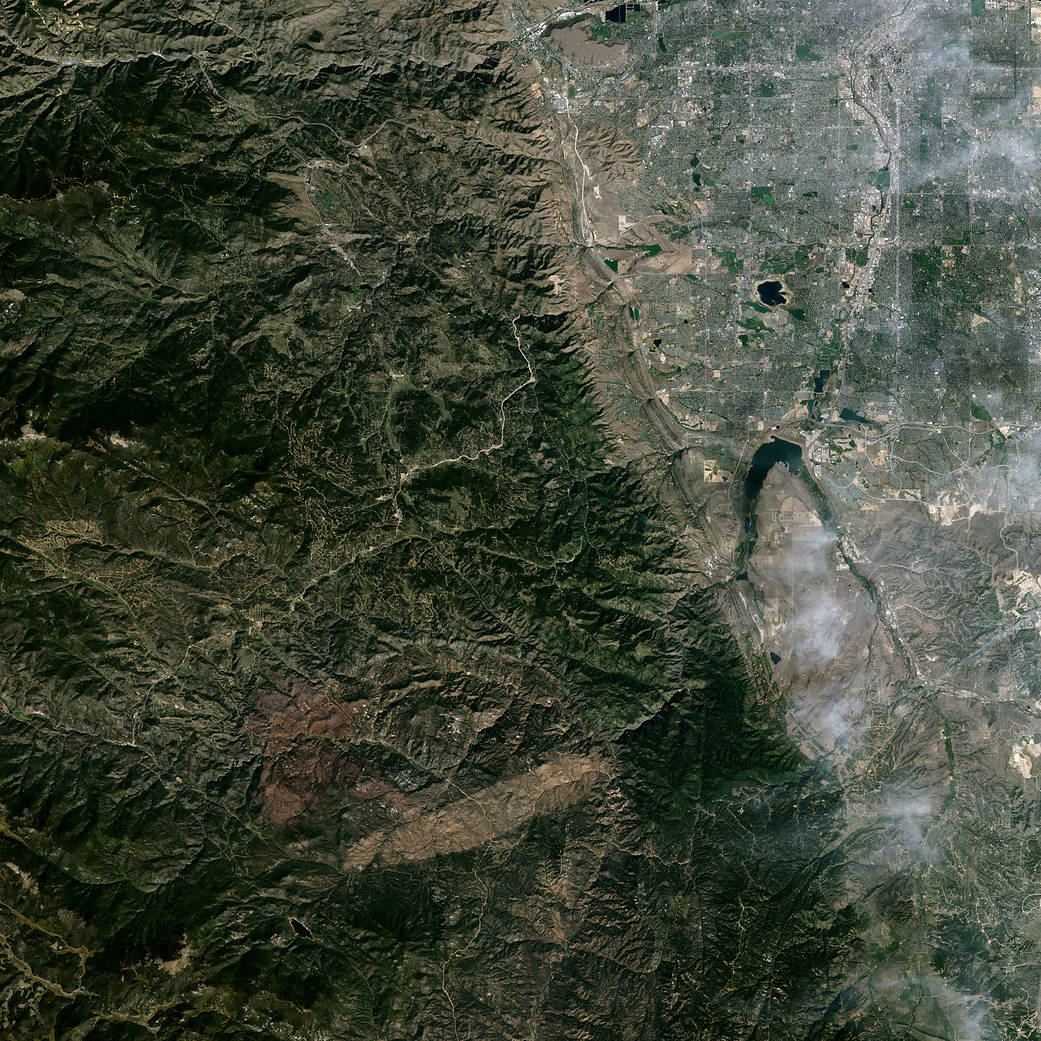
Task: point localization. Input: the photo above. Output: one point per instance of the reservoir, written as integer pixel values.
(766, 457)
(617, 14)
(772, 293)
(849, 416)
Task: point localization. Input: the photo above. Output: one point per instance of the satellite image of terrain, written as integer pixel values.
(520, 522)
